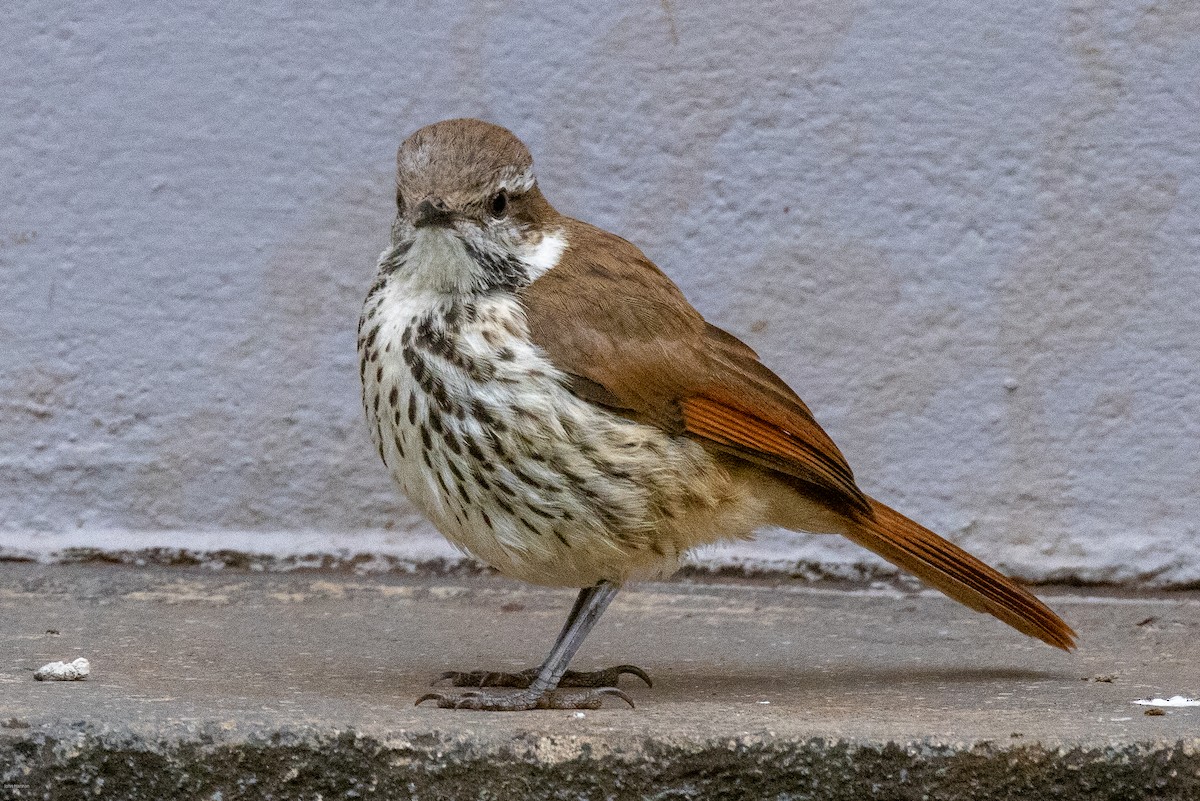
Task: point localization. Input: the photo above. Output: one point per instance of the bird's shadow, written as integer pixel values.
(850, 678)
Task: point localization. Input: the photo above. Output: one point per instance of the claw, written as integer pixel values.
(633, 670)
(430, 697)
(617, 692)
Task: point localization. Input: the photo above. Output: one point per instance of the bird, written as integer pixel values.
(550, 400)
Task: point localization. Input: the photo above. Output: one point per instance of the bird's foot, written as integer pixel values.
(522, 680)
(491, 701)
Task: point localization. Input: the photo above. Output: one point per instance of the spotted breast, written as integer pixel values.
(482, 433)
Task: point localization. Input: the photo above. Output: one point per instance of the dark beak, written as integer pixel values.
(433, 211)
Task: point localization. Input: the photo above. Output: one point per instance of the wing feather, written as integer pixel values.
(630, 341)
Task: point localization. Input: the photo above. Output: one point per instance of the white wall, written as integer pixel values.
(968, 234)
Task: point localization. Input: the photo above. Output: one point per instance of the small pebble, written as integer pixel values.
(77, 670)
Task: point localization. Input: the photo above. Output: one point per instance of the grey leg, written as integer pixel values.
(543, 692)
(571, 678)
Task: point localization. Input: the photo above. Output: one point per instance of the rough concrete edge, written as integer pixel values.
(209, 762)
(387, 552)
(420, 552)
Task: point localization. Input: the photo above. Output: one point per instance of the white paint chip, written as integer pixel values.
(77, 670)
(1175, 700)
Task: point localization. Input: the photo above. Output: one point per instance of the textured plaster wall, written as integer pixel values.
(967, 233)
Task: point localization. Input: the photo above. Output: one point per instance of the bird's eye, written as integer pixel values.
(499, 203)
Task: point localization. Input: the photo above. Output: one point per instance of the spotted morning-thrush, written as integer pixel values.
(552, 402)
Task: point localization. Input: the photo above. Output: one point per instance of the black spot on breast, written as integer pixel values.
(412, 409)
(497, 445)
(505, 354)
(399, 447)
(395, 259)
(437, 389)
(485, 416)
(425, 328)
(419, 369)
(451, 440)
(528, 479)
(393, 396)
(561, 538)
(435, 420)
(378, 284)
(379, 374)
(426, 441)
(541, 512)
(487, 521)
(481, 479)
(474, 450)
(611, 470)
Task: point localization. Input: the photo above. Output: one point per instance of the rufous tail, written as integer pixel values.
(944, 566)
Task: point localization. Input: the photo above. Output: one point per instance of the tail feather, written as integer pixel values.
(946, 567)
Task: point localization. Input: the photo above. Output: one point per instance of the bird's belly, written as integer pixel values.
(481, 434)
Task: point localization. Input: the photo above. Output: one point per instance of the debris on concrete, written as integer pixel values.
(76, 670)
(1174, 700)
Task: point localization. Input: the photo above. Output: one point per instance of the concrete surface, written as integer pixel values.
(233, 684)
(966, 232)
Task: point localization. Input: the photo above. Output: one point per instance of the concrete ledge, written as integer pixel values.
(228, 684)
(447, 766)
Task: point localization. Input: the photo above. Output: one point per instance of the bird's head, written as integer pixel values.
(469, 214)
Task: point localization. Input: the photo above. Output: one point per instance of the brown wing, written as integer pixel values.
(614, 322)
(630, 341)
